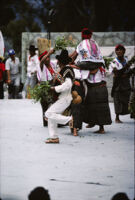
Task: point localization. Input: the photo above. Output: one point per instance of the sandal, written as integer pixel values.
(52, 141)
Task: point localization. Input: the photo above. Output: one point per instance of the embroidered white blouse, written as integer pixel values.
(88, 50)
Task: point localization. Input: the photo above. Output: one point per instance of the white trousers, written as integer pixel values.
(55, 117)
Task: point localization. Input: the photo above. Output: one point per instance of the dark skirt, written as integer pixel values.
(96, 106)
(121, 95)
(121, 101)
(76, 109)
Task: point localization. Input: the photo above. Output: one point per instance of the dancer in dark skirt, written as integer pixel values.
(121, 83)
(96, 109)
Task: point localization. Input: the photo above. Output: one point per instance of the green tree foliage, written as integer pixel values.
(17, 16)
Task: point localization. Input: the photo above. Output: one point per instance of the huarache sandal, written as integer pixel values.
(52, 141)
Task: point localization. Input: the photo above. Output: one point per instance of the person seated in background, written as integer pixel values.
(39, 193)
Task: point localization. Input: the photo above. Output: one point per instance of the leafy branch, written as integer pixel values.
(42, 92)
(62, 43)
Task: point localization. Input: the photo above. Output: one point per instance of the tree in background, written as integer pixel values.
(64, 16)
(17, 17)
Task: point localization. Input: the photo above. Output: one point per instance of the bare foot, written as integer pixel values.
(118, 121)
(75, 132)
(46, 119)
(100, 131)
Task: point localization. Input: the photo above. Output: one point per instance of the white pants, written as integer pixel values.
(55, 117)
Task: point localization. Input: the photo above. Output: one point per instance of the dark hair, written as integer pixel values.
(120, 196)
(86, 33)
(120, 46)
(63, 57)
(39, 193)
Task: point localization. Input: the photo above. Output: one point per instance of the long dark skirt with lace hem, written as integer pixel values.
(96, 106)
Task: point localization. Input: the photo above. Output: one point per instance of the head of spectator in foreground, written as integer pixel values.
(39, 193)
(86, 33)
(120, 196)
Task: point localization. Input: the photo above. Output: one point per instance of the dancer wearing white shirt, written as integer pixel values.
(43, 75)
(63, 88)
(32, 66)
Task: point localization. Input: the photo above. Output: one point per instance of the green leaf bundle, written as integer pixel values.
(62, 43)
(42, 92)
(108, 61)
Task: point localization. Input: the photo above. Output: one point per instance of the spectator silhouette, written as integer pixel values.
(39, 193)
(120, 196)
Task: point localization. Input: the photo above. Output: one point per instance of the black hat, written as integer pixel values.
(32, 48)
(63, 57)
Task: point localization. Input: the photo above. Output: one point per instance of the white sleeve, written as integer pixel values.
(7, 64)
(78, 48)
(110, 69)
(65, 86)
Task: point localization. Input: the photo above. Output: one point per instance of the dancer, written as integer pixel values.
(96, 107)
(88, 52)
(95, 110)
(43, 75)
(121, 82)
(63, 89)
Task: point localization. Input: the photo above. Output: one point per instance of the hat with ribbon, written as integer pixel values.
(63, 57)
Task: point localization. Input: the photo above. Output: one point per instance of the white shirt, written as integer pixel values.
(96, 78)
(81, 74)
(13, 66)
(33, 64)
(45, 75)
(88, 50)
(115, 64)
(65, 90)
